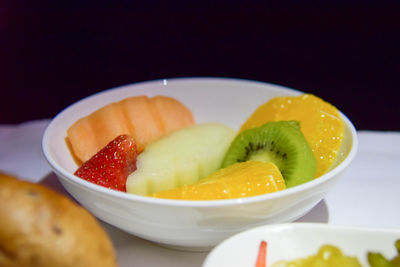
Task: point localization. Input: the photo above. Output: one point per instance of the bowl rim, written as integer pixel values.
(57, 168)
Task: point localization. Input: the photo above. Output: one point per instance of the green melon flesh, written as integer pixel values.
(181, 158)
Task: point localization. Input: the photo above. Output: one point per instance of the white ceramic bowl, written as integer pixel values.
(299, 240)
(190, 225)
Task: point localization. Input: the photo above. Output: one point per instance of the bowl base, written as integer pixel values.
(186, 248)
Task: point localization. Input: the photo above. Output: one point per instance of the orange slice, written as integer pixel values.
(239, 180)
(320, 123)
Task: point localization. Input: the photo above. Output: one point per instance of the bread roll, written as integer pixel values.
(39, 227)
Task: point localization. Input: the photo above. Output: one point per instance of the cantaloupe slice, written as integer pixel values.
(169, 109)
(145, 119)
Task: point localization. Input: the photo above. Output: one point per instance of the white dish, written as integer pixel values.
(190, 225)
(298, 240)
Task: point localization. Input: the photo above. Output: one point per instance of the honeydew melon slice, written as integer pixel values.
(180, 158)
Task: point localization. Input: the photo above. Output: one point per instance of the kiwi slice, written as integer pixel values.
(279, 142)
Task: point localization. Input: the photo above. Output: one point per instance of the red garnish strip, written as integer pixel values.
(262, 255)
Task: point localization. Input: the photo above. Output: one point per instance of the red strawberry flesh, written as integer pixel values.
(111, 166)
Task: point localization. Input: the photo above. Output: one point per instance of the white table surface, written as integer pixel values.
(368, 195)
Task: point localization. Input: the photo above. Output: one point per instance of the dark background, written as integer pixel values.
(53, 53)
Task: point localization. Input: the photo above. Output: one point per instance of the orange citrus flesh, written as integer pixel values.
(239, 180)
(320, 123)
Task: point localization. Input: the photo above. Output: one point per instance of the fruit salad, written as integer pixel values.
(153, 147)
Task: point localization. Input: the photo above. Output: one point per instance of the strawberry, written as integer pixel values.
(111, 166)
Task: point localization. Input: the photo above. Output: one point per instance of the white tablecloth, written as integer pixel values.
(367, 195)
